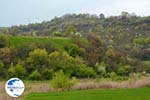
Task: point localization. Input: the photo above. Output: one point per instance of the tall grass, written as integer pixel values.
(132, 83)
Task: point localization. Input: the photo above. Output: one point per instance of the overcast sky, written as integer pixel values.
(15, 12)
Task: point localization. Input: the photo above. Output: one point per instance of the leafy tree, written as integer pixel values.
(17, 71)
(70, 65)
(47, 74)
(57, 34)
(38, 55)
(101, 68)
(124, 70)
(70, 30)
(22, 51)
(85, 72)
(102, 16)
(62, 81)
(3, 41)
(73, 50)
(125, 14)
(37, 59)
(95, 49)
(114, 76)
(6, 56)
(35, 75)
(2, 70)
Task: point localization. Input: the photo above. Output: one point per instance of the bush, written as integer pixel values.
(114, 76)
(38, 56)
(73, 50)
(35, 75)
(101, 69)
(124, 70)
(2, 70)
(85, 72)
(62, 81)
(72, 66)
(20, 71)
(47, 74)
(17, 71)
(37, 59)
(3, 41)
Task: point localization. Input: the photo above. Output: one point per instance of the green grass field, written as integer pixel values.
(19, 40)
(115, 94)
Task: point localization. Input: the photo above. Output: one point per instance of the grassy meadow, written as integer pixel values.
(114, 94)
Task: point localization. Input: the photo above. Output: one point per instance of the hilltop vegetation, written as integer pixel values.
(126, 33)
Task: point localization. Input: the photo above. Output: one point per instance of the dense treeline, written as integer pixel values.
(115, 47)
(84, 58)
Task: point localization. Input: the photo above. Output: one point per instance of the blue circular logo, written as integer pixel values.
(14, 87)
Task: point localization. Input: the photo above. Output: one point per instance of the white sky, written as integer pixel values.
(15, 12)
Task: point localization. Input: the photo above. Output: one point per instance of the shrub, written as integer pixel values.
(3, 41)
(114, 76)
(101, 69)
(2, 70)
(35, 75)
(62, 81)
(37, 59)
(17, 71)
(46, 74)
(73, 50)
(85, 72)
(72, 66)
(124, 70)
(38, 56)
(20, 71)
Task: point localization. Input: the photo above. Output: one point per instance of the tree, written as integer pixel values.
(38, 55)
(47, 74)
(37, 59)
(2, 70)
(6, 56)
(70, 30)
(124, 70)
(101, 68)
(17, 71)
(73, 50)
(3, 41)
(95, 49)
(62, 81)
(35, 75)
(69, 65)
(114, 58)
(102, 16)
(125, 14)
(57, 34)
(22, 51)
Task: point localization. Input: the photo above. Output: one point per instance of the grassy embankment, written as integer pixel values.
(57, 42)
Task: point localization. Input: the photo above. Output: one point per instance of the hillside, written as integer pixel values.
(126, 33)
(79, 45)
